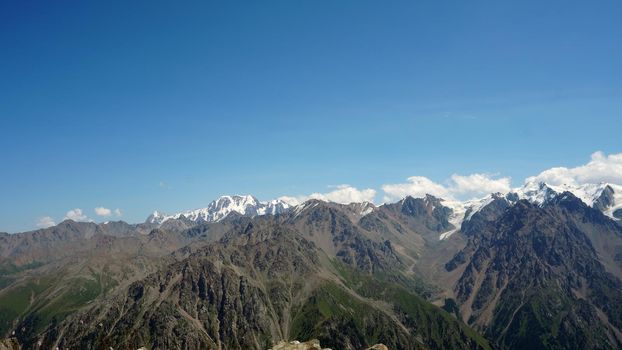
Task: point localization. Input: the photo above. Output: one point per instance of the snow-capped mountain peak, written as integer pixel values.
(591, 194)
(218, 209)
(536, 192)
(464, 211)
(602, 196)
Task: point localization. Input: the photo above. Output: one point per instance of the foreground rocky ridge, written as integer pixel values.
(296, 345)
(313, 345)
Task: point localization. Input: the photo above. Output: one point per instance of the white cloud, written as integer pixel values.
(344, 194)
(478, 185)
(416, 186)
(45, 222)
(601, 168)
(101, 211)
(458, 187)
(292, 200)
(76, 215)
(105, 212)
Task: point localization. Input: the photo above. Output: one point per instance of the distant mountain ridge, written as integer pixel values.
(221, 207)
(603, 196)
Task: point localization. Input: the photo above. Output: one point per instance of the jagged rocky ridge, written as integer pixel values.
(535, 276)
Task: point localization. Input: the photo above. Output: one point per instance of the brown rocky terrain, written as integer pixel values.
(514, 275)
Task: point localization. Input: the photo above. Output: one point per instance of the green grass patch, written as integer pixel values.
(437, 327)
(15, 301)
(11, 269)
(331, 305)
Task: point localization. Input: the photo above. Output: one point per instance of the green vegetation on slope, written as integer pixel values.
(333, 313)
(14, 301)
(548, 320)
(339, 320)
(38, 302)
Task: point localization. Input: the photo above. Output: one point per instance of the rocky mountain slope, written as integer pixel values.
(254, 287)
(534, 276)
(539, 267)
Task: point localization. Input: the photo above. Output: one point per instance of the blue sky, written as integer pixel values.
(147, 105)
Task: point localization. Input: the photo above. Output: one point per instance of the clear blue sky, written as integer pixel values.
(101, 102)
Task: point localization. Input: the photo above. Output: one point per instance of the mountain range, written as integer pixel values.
(539, 267)
(603, 196)
(223, 206)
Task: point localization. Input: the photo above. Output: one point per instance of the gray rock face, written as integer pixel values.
(9, 344)
(296, 345)
(527, 265)
(329, 227)
(484, 217)
(423, 213)
(605, 200)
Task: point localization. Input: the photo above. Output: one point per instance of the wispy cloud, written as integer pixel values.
(457, 187)
(344, 194)
(45, 222)
(104, 212)
(600, 168)
(76, 215)
(477, 185)
(416, 186)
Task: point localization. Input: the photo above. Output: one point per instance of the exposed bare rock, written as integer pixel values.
(9, 344)
(378, 347)
(296, 345)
